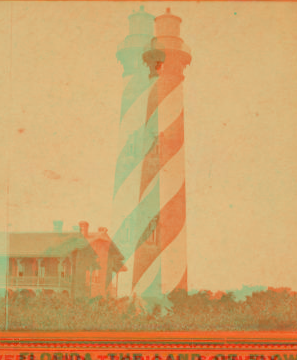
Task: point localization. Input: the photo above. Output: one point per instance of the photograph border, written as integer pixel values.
(199, 345)
(153, 345)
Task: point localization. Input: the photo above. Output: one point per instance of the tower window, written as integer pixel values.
(154, 237)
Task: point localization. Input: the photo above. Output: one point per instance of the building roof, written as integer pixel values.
(37, 244)
(66, 247)
(51, 244)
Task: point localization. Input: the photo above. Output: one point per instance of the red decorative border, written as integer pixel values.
(160, 0)
(151, 345)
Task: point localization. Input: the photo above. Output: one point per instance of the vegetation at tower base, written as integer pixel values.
(272, 309)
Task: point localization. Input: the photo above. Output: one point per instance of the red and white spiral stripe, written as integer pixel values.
(170, 254)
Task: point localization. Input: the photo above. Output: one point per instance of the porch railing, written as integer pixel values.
(35, 281)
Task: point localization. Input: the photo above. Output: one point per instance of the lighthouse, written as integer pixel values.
(164, 163)
(153, 225)
(127, 212)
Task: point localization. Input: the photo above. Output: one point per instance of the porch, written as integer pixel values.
(40, 274)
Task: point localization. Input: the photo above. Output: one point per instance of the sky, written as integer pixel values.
(61, 110)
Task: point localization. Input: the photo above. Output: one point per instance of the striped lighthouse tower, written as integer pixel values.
(160, 261)
(127, 212)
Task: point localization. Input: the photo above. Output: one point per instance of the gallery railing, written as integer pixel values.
(36, 281)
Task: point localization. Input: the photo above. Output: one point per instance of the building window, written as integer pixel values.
(155, 150)
(153, 232)
(152, 240)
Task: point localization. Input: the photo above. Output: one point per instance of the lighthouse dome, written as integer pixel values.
(141, 22)
(168, 24)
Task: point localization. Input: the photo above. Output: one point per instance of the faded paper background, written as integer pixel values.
(60, 107)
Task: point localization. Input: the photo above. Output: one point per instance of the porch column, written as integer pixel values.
(19, 267)
(91, 275)
(39, 273)
(60, 269)
(70, 269)
(117, 282)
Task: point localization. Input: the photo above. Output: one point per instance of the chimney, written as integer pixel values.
(84, 228)
(58, 226)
